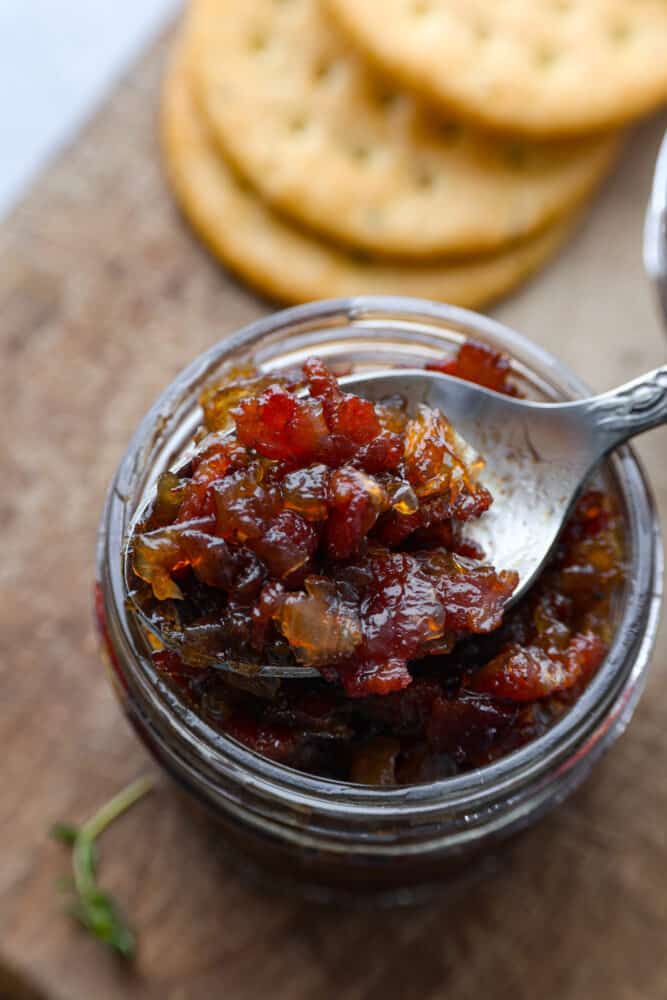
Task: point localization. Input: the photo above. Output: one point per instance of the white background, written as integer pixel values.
(58, 59)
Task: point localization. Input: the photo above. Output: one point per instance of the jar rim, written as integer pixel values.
(613, 686)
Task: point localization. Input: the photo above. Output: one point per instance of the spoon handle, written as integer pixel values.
(631, 409)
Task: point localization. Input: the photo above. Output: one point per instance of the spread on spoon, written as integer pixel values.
(328, 532)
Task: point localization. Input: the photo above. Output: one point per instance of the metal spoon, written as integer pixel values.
(537, 455)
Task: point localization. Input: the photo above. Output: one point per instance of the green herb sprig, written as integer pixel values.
(92, 906)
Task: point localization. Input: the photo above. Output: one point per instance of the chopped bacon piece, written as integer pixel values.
(478, 363)
(355, 503)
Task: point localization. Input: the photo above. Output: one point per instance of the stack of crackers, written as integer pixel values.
(437, 148)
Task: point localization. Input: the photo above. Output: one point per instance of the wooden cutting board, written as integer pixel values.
(104, 295)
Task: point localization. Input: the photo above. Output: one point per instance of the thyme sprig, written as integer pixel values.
(91, 905)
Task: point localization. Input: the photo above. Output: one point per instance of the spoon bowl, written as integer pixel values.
(537, 455)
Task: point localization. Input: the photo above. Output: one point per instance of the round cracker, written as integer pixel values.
(540, 68)
(292, 266)
(323, 142)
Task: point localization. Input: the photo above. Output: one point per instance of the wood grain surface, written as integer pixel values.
(103, 297)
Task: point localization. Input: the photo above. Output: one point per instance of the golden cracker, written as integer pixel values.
(538, 68)
(292, 266)
(324, 143)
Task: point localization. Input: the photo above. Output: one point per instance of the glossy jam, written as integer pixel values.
(324, 531)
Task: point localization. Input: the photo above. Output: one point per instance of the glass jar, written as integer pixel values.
(333, 837)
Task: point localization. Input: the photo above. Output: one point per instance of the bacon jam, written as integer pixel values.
(316, 529)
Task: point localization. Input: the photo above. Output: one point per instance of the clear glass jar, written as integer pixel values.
(333, 837)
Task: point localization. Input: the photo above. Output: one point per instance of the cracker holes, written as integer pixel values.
(425, 180)
(360, 152)
(546, 56)
(620, 33)
(298, 123)
(420, 7)
(322, 70)
(258, 41)
(482, 32)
